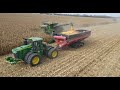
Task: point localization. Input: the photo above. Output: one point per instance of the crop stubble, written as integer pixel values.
(15, 27)
(99, 57)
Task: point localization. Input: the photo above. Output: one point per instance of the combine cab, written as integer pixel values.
(48, 27)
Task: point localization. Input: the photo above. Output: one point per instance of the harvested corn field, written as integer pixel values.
(15, 27)
(98, 57)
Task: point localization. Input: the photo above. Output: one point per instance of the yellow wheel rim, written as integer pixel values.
(54, 54)
(35, 60)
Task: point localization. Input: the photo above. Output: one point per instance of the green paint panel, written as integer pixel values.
(21, 51)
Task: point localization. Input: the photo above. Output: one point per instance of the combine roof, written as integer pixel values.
(36, 38)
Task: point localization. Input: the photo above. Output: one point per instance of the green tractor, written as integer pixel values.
(32, 51)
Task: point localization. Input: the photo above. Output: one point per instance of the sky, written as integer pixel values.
(107, 14)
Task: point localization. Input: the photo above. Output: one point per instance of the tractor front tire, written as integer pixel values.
(27, 55)
(52, 53)
(33, 59)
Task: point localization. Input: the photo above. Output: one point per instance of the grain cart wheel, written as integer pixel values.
(33, 59)
(52, 53)
(77, 44)
(81, 43)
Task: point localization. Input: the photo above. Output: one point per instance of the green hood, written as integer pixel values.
(15, 50)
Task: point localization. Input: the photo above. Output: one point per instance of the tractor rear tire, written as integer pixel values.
(33, 59)
(52, 53)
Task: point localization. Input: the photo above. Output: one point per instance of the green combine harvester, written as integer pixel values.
(32, 52)
(52, 29)
(49, 27)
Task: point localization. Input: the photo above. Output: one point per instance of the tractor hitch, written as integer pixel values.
(12, 60)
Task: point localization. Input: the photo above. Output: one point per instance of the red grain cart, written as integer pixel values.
(74, 40)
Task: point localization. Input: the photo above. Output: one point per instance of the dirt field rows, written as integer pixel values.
(98, 57)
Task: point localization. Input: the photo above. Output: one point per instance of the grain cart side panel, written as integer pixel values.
(66, 40)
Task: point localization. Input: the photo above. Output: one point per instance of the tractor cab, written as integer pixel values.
(33, 40)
